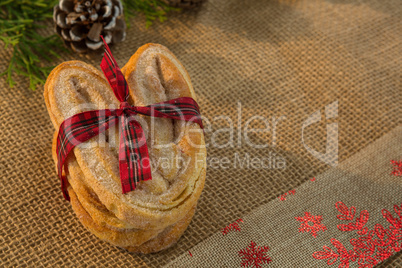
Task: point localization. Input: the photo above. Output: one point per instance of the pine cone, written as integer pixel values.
(81, 22)
(186, 4)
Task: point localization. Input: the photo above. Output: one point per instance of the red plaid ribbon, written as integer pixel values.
(133, 151)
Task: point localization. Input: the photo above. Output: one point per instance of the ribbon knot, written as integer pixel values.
(124, 105)
(134, 163)
(126, 109)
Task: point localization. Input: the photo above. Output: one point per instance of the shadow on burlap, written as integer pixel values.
(267, 58)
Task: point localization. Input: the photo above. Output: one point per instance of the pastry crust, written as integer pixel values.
(163, 240)
(153, 74)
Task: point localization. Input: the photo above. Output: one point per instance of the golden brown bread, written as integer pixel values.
(153, 74)
(160, 241)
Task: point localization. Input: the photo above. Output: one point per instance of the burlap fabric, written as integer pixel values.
(362, 181)
(282, 60)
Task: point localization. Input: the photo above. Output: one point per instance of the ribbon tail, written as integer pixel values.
(134, 161)
(76, 130)
(114, 75)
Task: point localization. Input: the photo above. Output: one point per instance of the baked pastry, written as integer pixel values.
(157, 212)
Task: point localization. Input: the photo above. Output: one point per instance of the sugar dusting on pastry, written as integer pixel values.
(153, 216)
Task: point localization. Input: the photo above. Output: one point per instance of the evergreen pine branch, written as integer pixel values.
(20, 21)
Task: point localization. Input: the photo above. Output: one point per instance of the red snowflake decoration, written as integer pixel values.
(313, 179)
(292, 192)
(397, 165)
(254, 256)
(372, 247)
(348, 215)
(283, 196)
(344, 256)
(232, 226)
(315, 226)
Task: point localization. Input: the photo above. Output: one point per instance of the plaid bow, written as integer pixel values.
(133, 151)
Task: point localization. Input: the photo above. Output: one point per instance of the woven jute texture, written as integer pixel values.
(362, 181)
(279, 60)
